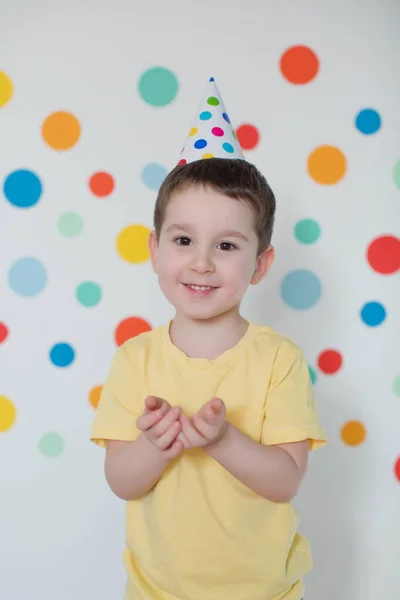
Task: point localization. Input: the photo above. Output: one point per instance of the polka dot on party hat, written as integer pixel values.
(373, 313)
(62, 354)
(158, 86)
(51, 444)
(353, 433)
(383, 254)
(153, 175)
(313, 374)
(132, 243)
(397, 469)
(94, 395)
(299, 64)
(129, 328)
(327, 165)
(3, 332)
(27, 277)
(368, 121)
(101, 184)
(248, 136)
(330, 361)
(6, 89)
(70, 224)
(300, 289)
(61, 130)
(8, 414)
(22, 188)
(88, 294)
(307, 231)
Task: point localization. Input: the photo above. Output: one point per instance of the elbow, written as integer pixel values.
(282, 495)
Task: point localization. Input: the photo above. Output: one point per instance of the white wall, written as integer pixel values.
(61, 529)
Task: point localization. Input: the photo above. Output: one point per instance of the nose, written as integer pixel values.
(202, 261)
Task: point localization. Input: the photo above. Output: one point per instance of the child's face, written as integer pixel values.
(207, 241)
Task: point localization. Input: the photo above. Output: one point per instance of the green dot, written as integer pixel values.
(396, 386)
(70, 224)
(307, 231)
(313, 374)
(396, 174)
(213, 101)
(88, 293)
(158, 86)
(51, 444)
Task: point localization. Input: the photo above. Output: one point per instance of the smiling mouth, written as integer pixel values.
(199, 288)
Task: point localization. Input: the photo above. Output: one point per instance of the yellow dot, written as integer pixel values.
(6, 89)
(353, 433)
(132, 243)
(193, 131)
(94, 395)
(61, 130)
(327, 165)
(8, 414)
(208, 155)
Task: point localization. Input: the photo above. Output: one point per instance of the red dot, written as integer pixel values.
(330, 361)
(101, 184)
(129, 328)
(3, 333)
(299, 64)
(183, 161)
(217, 131)
(397, 468)
(383, 254)
(248, 136)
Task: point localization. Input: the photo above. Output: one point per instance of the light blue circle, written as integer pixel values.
(62, 354)
(373, 313)
(368, 121)
(153, 175)
(22, 188)
(27, 277)
(228, 147)
(301, 289)
(205, 115)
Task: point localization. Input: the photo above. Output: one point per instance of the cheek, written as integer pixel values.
(239, 271)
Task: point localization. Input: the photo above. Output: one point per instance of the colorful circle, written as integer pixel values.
(208, 155)
(132, 243)
(301, 289)
(396, 386)
(101, 184)
(327, 165)
(88, 293)
(368, 121)
(217, 131)
(353, 433)
(299, 64)
(307, 231)
(51, 444)
(27, 277)
(153, 175)
(183, 161)
(22, 188)
(8, 414)
(129, 328)
(205, 115)
(313, 374)
(94, 395)
(61, 130)
(228, 147)
(373, 314)
(248, 136)
(62, 354)
(225, 116)
(396, 174)
(383, 254)
(330, 361)
(193, 131)
(6, 89)
(70, 224)
(397, 469)
(3, 332)
(212, 101)
(158, 86)
(200, 144)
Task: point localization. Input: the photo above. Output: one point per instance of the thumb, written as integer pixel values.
(218, 406)
(152, 403)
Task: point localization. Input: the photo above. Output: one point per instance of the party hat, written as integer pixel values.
(212, 134)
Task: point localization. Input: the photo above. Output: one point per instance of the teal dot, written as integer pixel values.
(51, 444)
(228, 147)
(153, 175)
(301, 289)
(313, 374)
(396, 386)
(70, 224)
(307, 231)
(158, 86)
(88, 293)
(205, 115)
(27, 277)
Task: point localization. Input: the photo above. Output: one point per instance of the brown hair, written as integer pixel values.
(234, 178)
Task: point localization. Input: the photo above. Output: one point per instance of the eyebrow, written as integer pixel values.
(225, 233)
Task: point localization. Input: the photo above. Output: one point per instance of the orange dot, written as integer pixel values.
(101, 184)
(61, 130)
(94, 395)
(327, 165)
(248, 136)
(299, 64)
(353, 433)
(129, 328)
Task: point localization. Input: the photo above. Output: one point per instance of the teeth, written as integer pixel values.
(199, 288)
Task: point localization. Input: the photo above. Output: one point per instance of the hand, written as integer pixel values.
(161, 425)
(207, 427)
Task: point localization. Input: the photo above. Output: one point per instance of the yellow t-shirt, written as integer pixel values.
(200, 533)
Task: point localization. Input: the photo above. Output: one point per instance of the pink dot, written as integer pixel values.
(217, 131)
(183, 161)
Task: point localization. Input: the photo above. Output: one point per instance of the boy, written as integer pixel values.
(208, 420)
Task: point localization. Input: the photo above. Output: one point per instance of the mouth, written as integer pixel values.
(202, 290)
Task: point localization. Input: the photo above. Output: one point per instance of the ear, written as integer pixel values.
(263, 265)
(153, 249)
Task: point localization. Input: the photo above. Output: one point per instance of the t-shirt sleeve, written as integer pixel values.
(291, 413)
(119, 405)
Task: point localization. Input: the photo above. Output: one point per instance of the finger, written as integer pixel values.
(161, 427)
(192, 435)
(182, 438)
(152, 403)
(205, 429)
(217, 406)
(148, 420)
(174, 450)
(166, 439)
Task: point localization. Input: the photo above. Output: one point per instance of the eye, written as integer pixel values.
(227, 246)
(183, 241)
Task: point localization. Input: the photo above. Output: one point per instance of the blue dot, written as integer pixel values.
(22, 188)
(205, 115)
(301, 289)
(228, 147)
(153, 175)
(227, 119)
(200, 144)
(368, 121)
(27, 277)
(373, 313)
(62, 355)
